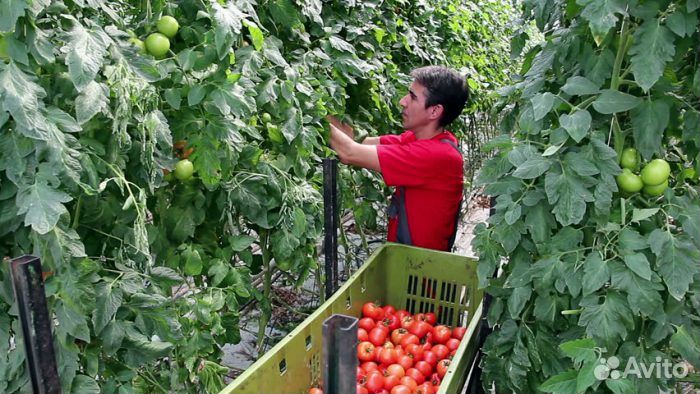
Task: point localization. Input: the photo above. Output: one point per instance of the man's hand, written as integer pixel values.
(350, 152)
(344, 127)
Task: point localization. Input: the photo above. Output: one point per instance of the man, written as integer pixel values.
(424, 163)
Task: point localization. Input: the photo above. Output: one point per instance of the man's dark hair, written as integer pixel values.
(446, 87)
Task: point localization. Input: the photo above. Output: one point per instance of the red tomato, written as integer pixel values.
(401, 389)
(401, 313)
(396, 369)
(441, 334)
(435, 380)
(430, 318)
(375, 382)
(360, 389)
(362, 335)
(405, 361)
(382, 391)
(371, 310)
(458, 332)
(369, 366)
(425, 388)
(377, 336)
(416, 375)
(415, 351)
(387, 356)
(409, 339)
(367, 324)
(419, 328)
(365, 351)
(399, 351)
(423, 367)
(410, 383)
(388, 345)
(389, 310)
(390, 381)
(315, 390)
(452, 343)
(452, 353)
(441, 351)
(442, 367)
(397, 335)
(426, 346)
(430, 358)
(391, 322)
(361, 375)
(419, 317)
(406, 322)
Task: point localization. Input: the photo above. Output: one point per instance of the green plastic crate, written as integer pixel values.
(395, 274)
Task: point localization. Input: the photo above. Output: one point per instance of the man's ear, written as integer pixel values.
(436, 111)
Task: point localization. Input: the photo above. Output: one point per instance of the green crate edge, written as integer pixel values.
(456, 375)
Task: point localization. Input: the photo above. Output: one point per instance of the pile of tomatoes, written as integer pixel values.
(400, 353)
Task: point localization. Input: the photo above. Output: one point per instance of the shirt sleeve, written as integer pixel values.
(389, 139)
(410, 164)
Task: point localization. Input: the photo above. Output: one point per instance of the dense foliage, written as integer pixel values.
(146, 269)
(591, 270)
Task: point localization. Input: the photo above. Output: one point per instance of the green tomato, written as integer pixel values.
(138, 44)
(157, 45)
(284, 265)
(655, 172)
(656, 190)
(689, 173)
(628, 159)
(266, 118)
(184, 169)
(168, 26)
(274, 134)
(629, 182)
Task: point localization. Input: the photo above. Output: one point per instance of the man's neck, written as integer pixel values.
(427, 133)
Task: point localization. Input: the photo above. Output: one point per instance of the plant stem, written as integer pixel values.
(76, 215)
(267, 287)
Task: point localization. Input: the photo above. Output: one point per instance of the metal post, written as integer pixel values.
(34, 317)
(339, 354)
(330, 216)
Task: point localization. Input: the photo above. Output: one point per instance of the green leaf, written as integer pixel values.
(85, 384)
(91, 101)
(71, 322)
(10, 11)
(542, 103)
(532, 168)
(630, 240)
(643, 295)
(641, 214)
(608, 321)
(580, 350)
(285, 13)
(112, 337)
(676, 259)
(291, 128)
(271, 51)
(595, 273)
(19, 96)
(601, 14)
(240, 242)
(166, 273)
(256, 35)
(228, 17)
(193, 261)
(576, 124)
(86, 51)
(173, 97)
(540, 222)
(340, 44)
(196, 94)
(545, 308)
(561, 383)
(649, 120)
(42, 205)
(682, 23)
(109, 299)
(653, 47)
(613, 101)
(517, 300)
(639, 264)
(15, 148)
(580, 86)
(567, 193)
(586, 376)
(686, 345)
(283, 244)
(620, 386)
(217, 271)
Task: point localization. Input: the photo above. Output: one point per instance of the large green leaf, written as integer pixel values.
(649, 120)
(576, 124)
(42, 204)
(613, 101)
(580, 86)
(687, 345)
(10, 11)
(610, 320)
(596, 273)
(109, 299)
(676, 260)
(653, 47)
(86, 51)
(568, 195)
(601, 14)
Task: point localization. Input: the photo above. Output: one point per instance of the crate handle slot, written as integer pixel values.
(283, 366)
(308, 342)
(348, 303)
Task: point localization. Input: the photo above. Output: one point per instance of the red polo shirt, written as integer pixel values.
(432, 173)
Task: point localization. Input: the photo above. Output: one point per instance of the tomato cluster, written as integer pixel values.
(401, 353)
(653, 179)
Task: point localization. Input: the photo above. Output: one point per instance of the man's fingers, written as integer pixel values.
(342, 126)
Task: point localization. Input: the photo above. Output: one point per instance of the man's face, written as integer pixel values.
(414, 113)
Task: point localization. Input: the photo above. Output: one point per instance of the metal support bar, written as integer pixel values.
(330, 216)
(339, 354)
(34, 317)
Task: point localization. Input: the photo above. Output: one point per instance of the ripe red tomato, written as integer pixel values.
(390, 381)
(369, 366)
(416, 375)
(419, 328)
(430, 318)
(366, 323)
(410, 383)
(406, 322)
(415, 352)
(441, 351)
(452, 343)
(315, 390)
(382, 391)
(405, 361)
(378, 336)
(361, 389)
(409, 339)
(360, 375)
(391, 322)
(387, 356)
(441, 334)
(375, 382)
(435, 380)
(396, 369)
(401, 389)
(458, 332)
(397, 335)
(423, 367)
(425, 388)
(362, 335)
(371, 310)
(442, 367)
(388, 345)
(426, 346)
(419, 317)
(401, 313)
(365, 351)
(388, 310)
(430, 358)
